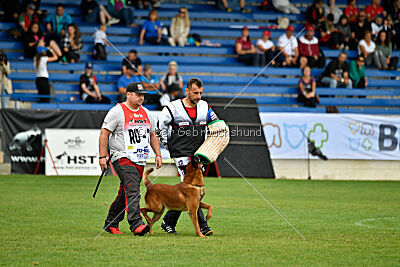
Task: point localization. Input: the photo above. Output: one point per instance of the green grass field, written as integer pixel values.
(54, 221)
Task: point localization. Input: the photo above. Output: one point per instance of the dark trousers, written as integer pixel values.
(128, 196)
(91, 100)
(252, 59)
(172, 216)
(308, 102)
(43, 87)
(153, 41)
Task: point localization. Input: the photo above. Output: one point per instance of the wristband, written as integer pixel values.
(102, 157)
(158, 156)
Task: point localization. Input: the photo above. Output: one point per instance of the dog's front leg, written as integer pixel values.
(193, 215)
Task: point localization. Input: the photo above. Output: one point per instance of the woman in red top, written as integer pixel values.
(246, 50)
(351, 11)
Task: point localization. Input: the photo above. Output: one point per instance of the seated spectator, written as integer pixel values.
(267, 47)
(11, 10)
(242, 5)
(100, 43)
(331, 8)
(88, 89)
(172, 77)
(329, 34)
(149, 82)
(307, 86)
(60, 20)
(367, 48)
(146, 4)
(391, 30)
(132, 63)
(94, 13)
(151, 30)
(180, 28)
(336, 74)
(32, 39)
(285, 6)
(377, 26)
(72, 43)
(123, 83)
(343, 29)
(357, 72)
(384, 51)
(5, 82)
(42, 76)
(358, 30)
(172, 94)
(246, 50)
(395, 11)
(351, 11)
(118, 9)
(36, 3)
(374, 10)
(315, 13)
(289, 47)
(309, 50)
(26, 18)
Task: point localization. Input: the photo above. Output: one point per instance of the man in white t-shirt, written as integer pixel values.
(266, 47)
(289, 47)
(130, 130)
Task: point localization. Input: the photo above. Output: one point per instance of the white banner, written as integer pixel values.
(339, 136)
(73, 151)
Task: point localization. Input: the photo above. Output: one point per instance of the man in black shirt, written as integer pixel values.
(358, 29)
(336, 74)
(88, 88)
(132, 63)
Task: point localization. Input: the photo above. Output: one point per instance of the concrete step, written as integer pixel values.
(1, 157)
(5, 169)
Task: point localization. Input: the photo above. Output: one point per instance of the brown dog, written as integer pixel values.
(185, 196)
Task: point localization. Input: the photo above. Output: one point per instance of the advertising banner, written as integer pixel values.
(338, 136)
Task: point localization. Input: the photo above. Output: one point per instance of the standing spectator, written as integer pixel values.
(384, 51)
(309, 50)
(88, 89)
(132, 63)
(373, 10)
(94, 13)
(267, 47)
(123, 83)
(5, 82)
(151, 30)
(344, 28)
(358, 30)
(26, 18)
(60, 20)
(377, 26)
(357, 72)
(100, 43)
(118, 9)
(351, 11)
(246, 50)
(179, 28)
(72, 43)
(42, 76)
(285, 6)
(172, 77)
(336, 74)
(307, 86)
(367, 48)
(150, 82)
(331, 8)
(289, 47)
(315, 13)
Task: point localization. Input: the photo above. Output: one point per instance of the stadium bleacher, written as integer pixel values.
(275, 89)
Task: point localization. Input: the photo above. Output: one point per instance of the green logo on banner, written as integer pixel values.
(318, 135)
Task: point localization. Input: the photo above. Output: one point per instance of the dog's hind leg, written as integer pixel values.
(146, 216)
(156, 217)
(208, 207)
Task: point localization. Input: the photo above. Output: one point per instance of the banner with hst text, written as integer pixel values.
(338, 136)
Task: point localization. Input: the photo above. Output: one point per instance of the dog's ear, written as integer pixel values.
(195, 160)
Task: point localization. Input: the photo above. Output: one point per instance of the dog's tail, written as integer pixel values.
(146, 180)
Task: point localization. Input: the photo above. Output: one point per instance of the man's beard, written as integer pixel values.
(194, 101)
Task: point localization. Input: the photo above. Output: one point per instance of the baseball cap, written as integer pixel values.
(41, 49)
(267, 33)
(89, 65)
(245, 28)
(31, 6)
(290, 28)
(310, 28)
(136, 87)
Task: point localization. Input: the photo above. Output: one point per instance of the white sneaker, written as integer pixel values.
(113, 21)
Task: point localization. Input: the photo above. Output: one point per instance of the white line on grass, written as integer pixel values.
(266, 66)
(266, 200)
(362, 223)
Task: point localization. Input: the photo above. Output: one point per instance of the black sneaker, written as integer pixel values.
(168, 229)
(206, 231)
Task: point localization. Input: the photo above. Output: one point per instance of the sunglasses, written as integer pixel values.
(361, 60)
(182, 12)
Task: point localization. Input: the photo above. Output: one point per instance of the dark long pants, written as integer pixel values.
(128, 196)
(252, 59)
(43, 87)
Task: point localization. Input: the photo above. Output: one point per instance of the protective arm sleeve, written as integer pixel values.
(162, 128)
